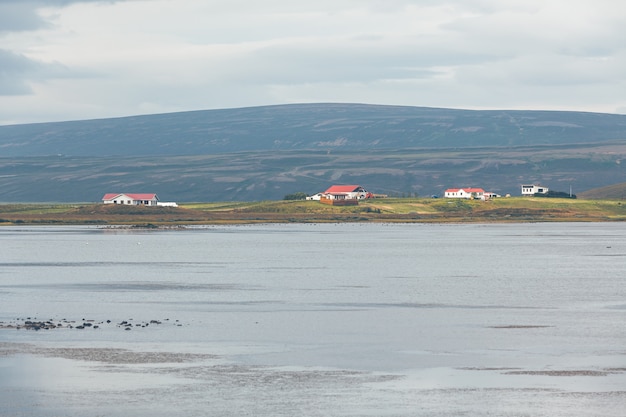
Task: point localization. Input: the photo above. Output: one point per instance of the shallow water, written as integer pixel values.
(321, 319)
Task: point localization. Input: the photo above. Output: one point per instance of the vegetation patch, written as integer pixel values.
(443, 210)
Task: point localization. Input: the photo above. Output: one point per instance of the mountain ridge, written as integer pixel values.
(307, 126)
(266, 152)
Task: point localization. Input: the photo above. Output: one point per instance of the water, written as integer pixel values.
(315, 320)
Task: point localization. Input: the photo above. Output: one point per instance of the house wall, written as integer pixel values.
(119, 200)
(457, 194)
(340, 202)
(464, 194)
(534, 189)
(146, 202)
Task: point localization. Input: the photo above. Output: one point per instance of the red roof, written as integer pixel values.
(343, 189)
(467, 190)
(112, 196)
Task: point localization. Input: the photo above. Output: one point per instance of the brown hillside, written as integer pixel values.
(610, 192)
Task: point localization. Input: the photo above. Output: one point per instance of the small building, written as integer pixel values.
(315, 197)
(346, 192)
(342, 192)
(489, 195)
(468, 193)
(131, 199)
(530, 190)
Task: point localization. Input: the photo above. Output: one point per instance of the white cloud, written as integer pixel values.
(84, 59)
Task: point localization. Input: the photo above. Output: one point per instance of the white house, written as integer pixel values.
(131, 199)
(315, 197)
(529, 190)
(489, 195)
(469, 193)
(343, 192)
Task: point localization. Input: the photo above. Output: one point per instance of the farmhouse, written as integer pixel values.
(342, 195)
(131, 199)
(469, 193)
(347, 192)
(529, 190)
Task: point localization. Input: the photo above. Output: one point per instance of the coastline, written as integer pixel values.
(398, 210)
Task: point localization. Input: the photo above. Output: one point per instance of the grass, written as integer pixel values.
(31, 208)
(514, 209)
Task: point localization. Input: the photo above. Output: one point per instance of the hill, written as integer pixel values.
(614, 191)
(267, 152)
(307, 127)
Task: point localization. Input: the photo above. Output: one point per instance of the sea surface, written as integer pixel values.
(315, 320)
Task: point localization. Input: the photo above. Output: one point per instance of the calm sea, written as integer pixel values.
(315, 320)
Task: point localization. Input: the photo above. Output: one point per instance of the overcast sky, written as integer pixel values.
(84, 59)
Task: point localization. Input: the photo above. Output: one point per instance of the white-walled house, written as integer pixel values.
(342, 192)
(347, 192)
(131, 199)
(468, 193)
(315, 197)
(529, 190)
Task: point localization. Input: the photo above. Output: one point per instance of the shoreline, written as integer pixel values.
(399, 210)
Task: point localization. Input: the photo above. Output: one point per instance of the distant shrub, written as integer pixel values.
(295, 196)
(555, 194)
(369, 210)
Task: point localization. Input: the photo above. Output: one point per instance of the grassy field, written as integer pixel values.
(515, 209)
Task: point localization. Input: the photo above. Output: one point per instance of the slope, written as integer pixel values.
(352, 127)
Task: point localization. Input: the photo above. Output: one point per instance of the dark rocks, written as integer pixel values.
(34, 324)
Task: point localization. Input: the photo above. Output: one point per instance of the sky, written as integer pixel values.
(89, 59)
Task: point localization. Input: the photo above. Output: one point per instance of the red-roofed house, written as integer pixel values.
(131, 199)
(469, 193)
(347, 192)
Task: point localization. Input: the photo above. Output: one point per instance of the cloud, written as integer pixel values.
(18, 71)
(17, 16)
(22, 15)
(81, 59)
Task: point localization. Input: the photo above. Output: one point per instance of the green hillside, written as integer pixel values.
(442, 210)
